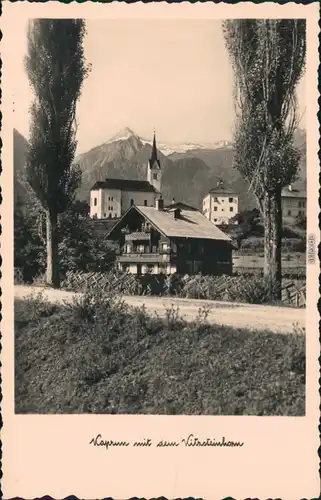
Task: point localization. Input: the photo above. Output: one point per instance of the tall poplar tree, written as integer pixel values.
(268, 59)
(56, 68)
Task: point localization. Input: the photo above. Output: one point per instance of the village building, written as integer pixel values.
(161, 240)
(294, 204)
(111, 198)
(221, 204)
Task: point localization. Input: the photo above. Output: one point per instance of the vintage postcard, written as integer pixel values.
(159, 250)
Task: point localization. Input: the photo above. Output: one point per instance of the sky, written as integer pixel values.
(173, 76)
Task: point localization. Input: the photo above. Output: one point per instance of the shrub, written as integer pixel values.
(88, 253)
(250, 289)
(98, 355)
(243, 287)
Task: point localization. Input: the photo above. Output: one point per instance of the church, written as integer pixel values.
(111, 198)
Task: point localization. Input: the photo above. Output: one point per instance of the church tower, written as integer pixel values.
(154, 174)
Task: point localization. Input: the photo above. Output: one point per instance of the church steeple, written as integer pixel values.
(154, 173)
(153, 159)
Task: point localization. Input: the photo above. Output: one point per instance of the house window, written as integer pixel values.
(109, 216)
(300, 213)
(215, 209)
(145, 203)
(131, 202)
(216, 199)
(155, 176)
(105, 215)
(231, 209)
(289, 212)
(215, 220)
(112, 198)
(230, 200)
(108, 198)
(111, 209)
(95, 202)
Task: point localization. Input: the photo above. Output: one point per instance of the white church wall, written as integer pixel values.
(139, 198)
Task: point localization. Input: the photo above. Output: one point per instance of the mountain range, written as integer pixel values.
(188, 170)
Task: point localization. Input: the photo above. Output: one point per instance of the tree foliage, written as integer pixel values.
(56, 69)
(80, 249)
(268, 58)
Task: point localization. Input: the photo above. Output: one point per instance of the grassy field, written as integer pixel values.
(99, 355)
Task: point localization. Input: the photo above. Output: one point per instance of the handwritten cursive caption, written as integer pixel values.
(100, 442)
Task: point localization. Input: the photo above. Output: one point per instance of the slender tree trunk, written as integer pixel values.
(272, 243)
(53, 278)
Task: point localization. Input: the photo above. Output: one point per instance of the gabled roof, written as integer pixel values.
(125, 185)
(181, 205)
(293, 193)
(190, 224)
(222, 189)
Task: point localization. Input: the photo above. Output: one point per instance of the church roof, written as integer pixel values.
(125, 185)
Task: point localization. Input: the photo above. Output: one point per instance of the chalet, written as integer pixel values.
(111, 198)
(162, 240)
(220, 205)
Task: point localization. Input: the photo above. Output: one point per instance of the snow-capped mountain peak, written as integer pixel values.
(123, 135)
(166, 148)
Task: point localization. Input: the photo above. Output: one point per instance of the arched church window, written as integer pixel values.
(131, 202)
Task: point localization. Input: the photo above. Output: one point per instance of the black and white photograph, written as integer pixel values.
(160, 250)
(160, 217)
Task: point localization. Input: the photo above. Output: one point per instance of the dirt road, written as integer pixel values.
(276, 319)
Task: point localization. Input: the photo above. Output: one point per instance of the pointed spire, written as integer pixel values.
(153, 157)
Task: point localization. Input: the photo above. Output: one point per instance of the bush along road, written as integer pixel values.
(257, 317)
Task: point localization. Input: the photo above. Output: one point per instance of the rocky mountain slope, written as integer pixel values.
(22, 189)
(187, 174)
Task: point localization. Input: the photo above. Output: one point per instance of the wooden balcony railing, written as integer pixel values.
(145, 256)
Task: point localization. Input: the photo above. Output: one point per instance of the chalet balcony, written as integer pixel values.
(139, 235)
(146, 257)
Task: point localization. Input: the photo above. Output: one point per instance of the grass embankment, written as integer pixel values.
(99, 355)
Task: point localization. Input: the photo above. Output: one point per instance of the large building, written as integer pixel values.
(293, 204)
(161, 240)
(112, 198)
(220, 204)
